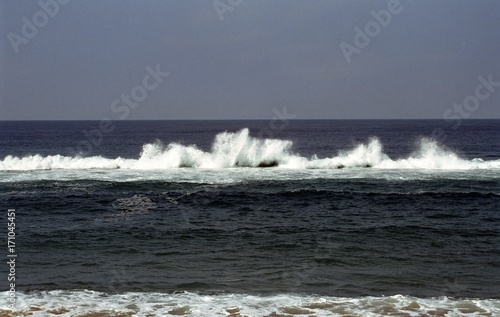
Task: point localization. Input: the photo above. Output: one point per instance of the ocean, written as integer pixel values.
(250, 218)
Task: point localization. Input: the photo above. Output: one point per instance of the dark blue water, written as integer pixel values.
(352, 232)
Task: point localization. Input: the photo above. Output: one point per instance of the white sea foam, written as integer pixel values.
(232, 150)
(87, 303)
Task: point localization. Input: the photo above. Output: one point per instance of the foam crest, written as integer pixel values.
(157, 156)
(239, 149)
(364, 155)
(228, 150)
(90, 303)
(38, 162)
(431, 155)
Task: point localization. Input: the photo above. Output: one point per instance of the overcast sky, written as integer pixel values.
(245, 58)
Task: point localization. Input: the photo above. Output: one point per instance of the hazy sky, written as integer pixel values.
(245, 58)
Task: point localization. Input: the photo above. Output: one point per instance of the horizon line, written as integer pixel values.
(132, 120)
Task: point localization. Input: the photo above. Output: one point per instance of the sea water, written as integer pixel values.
(216, 218)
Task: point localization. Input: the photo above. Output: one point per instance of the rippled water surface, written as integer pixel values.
(327, 217)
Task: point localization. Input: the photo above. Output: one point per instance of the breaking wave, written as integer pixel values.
(239, 149)
(89, 303)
